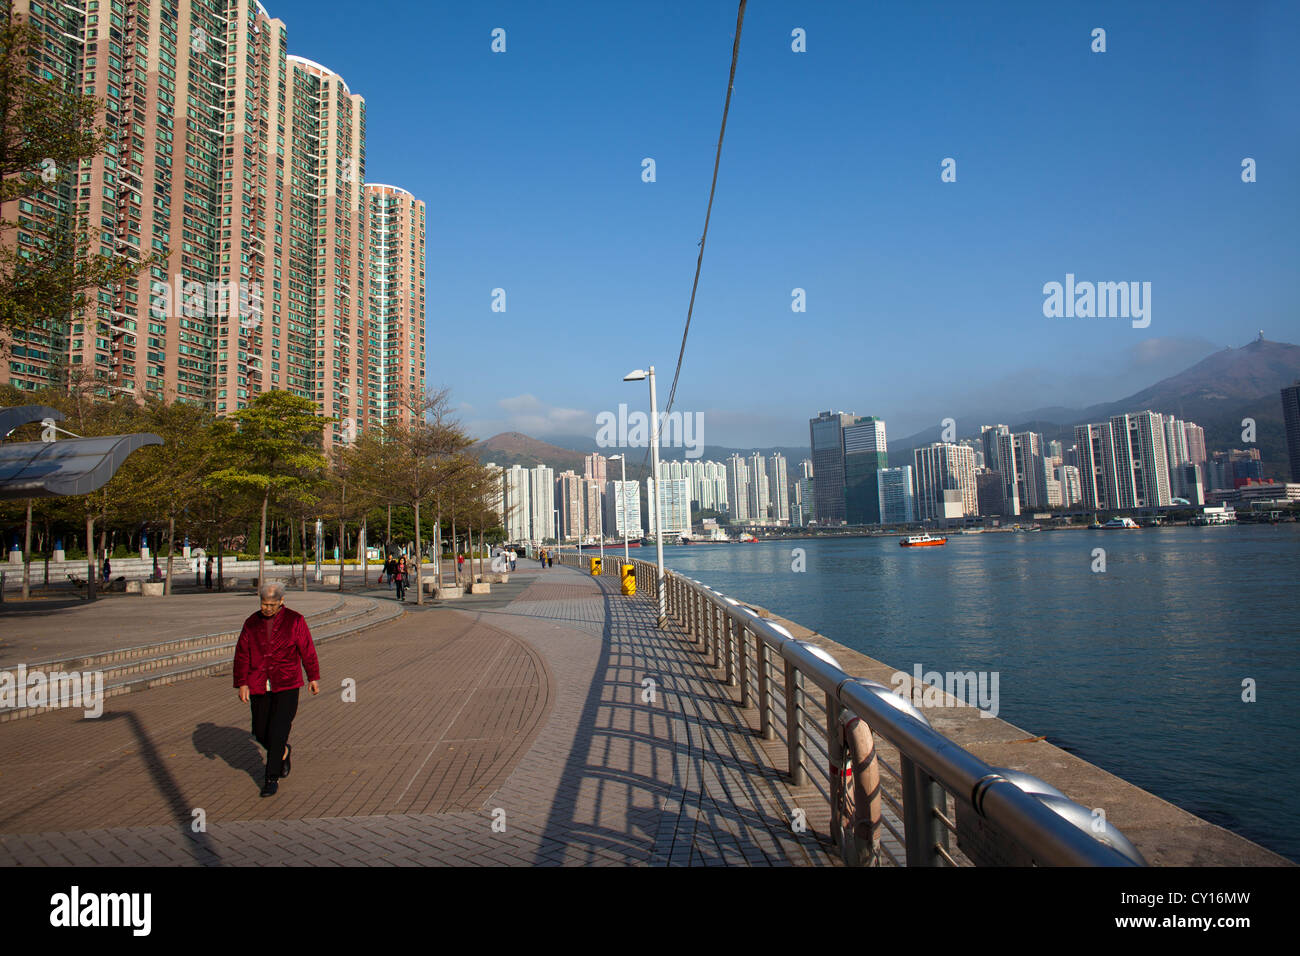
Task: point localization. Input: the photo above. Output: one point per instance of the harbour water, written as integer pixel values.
(1138, 669)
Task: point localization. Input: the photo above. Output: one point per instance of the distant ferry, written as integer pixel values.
(1117, 523)
(922, 541)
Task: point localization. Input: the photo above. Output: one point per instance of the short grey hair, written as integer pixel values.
(272, 589)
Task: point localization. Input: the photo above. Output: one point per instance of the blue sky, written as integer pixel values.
(924, 298)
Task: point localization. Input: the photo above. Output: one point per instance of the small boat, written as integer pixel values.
(1115, 524)
(922, 541)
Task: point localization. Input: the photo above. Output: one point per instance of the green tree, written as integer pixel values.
(274, 452)
(166, 482)
(406, 465)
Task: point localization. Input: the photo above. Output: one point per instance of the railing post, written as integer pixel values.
(706, 632)
(837, 758)
(729, 644)
(794, 732)
(922, 828)
(764, 688)
(743, 654)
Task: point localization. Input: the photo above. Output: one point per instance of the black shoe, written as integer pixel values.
(269, 788)
(285, 771)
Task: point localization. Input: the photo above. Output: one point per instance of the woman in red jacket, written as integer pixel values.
(273, 649)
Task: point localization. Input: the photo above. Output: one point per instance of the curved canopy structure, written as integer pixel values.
(75, 466)
(11, 418)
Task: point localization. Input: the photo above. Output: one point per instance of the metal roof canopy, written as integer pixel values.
(11, 418)
(75, 466)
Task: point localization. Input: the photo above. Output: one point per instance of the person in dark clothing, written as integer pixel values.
(400, 579)
(390, 569)
(108, 568)
(273, 649)
(207, 575)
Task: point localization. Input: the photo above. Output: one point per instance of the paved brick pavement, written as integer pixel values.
(528, 716)
(36, 633)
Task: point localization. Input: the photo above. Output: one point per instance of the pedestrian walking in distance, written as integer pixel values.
(273, 649)
(390, 569)
(399, 578)
(207, 575)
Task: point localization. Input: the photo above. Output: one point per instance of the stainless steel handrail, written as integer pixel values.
(1041, 821)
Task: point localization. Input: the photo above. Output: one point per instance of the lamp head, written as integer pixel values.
(635, 376)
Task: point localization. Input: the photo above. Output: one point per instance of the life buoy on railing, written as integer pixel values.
(855, 793)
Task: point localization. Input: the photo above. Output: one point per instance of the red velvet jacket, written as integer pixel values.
(279, 660)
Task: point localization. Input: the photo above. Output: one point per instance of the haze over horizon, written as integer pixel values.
(924, 298)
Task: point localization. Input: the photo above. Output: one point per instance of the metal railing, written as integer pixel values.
(938, 789)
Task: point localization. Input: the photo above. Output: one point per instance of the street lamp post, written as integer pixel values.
(637, 376)
(556, 512)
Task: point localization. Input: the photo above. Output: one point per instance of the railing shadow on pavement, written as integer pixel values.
(687, 808)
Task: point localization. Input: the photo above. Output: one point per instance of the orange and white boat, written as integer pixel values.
(922, 541)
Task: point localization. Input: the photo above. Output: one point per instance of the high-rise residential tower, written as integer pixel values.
(778, 489)
(392, 317)
(623, 510)
(247, 165)
(944, 482)
(738, 489)
(759, 490)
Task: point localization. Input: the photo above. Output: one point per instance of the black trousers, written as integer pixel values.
(273, 714)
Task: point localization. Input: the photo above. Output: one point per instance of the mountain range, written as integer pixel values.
(1216, 393)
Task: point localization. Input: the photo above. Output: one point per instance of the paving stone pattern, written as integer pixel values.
(481, 735)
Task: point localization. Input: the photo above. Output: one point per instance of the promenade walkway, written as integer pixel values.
(508, 729)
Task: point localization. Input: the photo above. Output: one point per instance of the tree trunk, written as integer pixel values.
(343, 554)
(46, 551)
(481, 553)
(437, 548)
(455, 564)
(261, 542)
(303, 530)
(419, 588)
(362, 556)
(27, 555)
(90, 557)
(171, 547)
(388, 538)
(221, 574)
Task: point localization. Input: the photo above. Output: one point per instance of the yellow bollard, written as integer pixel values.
(628, 574)
(595, 567)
